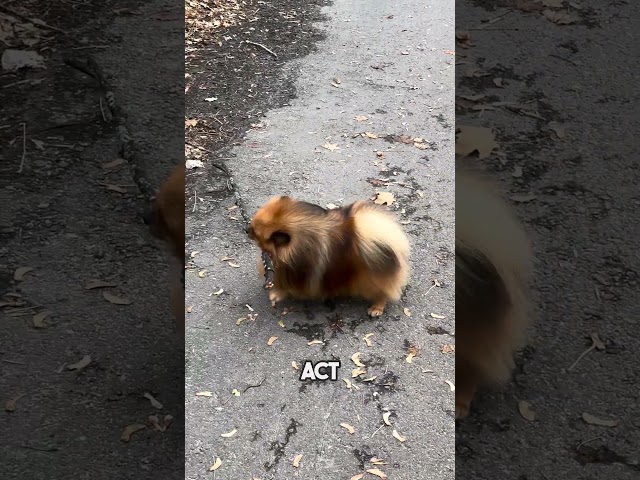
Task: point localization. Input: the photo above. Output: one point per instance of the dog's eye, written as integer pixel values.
(280, 239)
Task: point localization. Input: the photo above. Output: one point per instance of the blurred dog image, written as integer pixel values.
(493, 269)
(166, 222)
(354, 251)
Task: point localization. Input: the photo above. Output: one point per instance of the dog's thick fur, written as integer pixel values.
(166, 221)
(493, 269)
(355, 251)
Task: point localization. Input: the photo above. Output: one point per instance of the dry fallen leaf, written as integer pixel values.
(20, 273)
(593, 420)
(331, 146)
(385, 418)
(407, 312)
(523, 198)
(451, 385)
(271, 340)
(597, 343)
(409, 357)
(560, 18)
(86, 360)
(204, 394)
(155, 403)
(370, 135)
(357, 477)
(235, 392)
(435, 315)
(378, 473)
(370, 379)
(130, 430)
(234, 265)
(356, 372)
(296, 460)
(383, 198)
(526, 411)
(192, 122)
(316, 342)
(91, 284)
(355, 358)
(229, 434)
(110, 297)
(377, 461)
(347, 382)
(475, 139)
(349, 428)
(398, 437)
(448, 348)
(113, 163)
(360, 118)
(38, 319)
(216, 465)
(366, 339)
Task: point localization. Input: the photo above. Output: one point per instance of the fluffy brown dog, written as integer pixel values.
(354, 251)
(166, 221)
(493, 267)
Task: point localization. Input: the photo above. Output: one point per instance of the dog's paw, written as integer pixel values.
(376, 310)
(462, 410)
(275, 296)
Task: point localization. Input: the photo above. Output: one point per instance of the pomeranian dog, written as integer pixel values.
(166, 222)
(493, 270)
(354, 251)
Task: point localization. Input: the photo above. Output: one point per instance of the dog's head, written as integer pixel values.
(165, 217)
(286, 228)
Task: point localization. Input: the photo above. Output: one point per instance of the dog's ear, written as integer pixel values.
(280, 239)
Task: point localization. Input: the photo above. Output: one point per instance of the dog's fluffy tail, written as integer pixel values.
(382, 244)
(493, 270)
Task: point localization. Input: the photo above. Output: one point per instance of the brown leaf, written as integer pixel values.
(355, 358)
(356, 372)
(271, 340)
(38, 319)
(315, 342)
(475, 139)
(593, 420)
(296, 460)
(331, 146)
(366, 339)
(526, 411)
(130, 430)
(92, 284)
(385, 418)
(377, 461)
(348, 427)
(560, 18)
(383, 198)
(192, 122)
(448, 348)
(20, 273)
(398, 437)
(154, 403)
(359, 476)
(435, 315)
(110, 297)
(378, 473)
(216, 465)
(113, 163)
(370, 135)
(86, 360)
(406, 311)
(360, 118)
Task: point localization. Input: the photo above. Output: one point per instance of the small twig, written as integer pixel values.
(36, 21)
(381, 427)
(263, 47)
(587, 441)
(41, 449)
(24, 146)
(592, 347)
(256, 385)
(13, 362)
